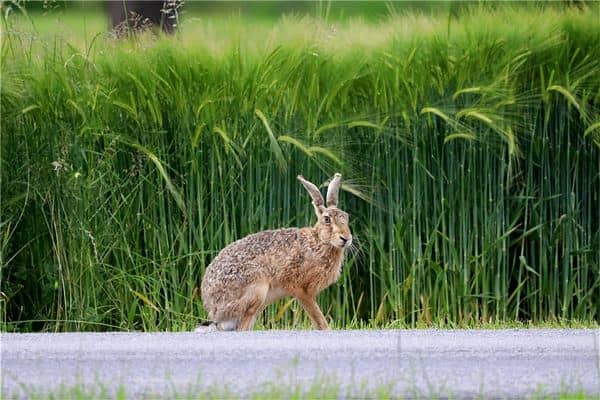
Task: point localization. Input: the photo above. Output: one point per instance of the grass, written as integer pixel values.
(470, 145)
(325, 387)
(314, 392)
(286, 384)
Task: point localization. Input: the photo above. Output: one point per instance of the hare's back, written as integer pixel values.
(257, 245)
(243, 260)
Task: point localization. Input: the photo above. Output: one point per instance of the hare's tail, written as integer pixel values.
(211, 326)
(205, 327)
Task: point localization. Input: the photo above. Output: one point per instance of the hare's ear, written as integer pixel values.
(314, 193)
(333, 189)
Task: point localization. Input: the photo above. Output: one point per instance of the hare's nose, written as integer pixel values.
(343, 239)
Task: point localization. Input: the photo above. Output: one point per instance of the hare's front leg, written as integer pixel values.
(253, 301)
(309, 302)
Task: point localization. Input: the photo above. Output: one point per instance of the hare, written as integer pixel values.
(252, 272)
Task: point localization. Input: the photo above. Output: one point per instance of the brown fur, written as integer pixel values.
(254, 271)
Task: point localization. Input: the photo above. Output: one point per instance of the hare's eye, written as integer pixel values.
(326, 219)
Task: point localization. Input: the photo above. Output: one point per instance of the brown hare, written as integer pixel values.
(252, 272)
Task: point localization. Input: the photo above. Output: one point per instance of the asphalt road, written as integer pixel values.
(411, 363)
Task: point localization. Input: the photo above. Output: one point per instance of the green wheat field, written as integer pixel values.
(468, 138)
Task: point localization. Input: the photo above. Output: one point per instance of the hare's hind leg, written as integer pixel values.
(251, 303)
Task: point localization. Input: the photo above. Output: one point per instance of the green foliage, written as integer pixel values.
(470, 146)
(324, 385)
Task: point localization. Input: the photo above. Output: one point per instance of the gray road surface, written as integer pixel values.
(412, 363)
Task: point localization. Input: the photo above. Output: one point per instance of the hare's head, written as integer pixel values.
(333, 223)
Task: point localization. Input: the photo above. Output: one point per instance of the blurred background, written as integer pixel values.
(84, 16)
